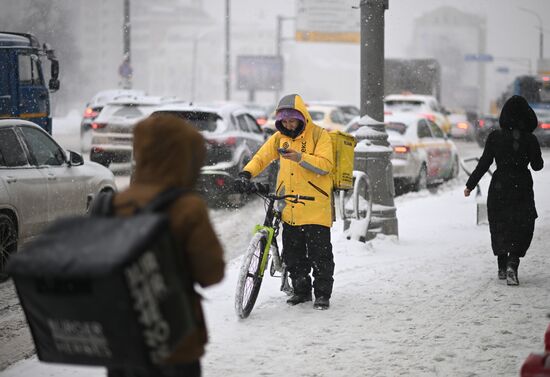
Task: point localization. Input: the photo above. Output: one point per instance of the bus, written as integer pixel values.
(535, 89)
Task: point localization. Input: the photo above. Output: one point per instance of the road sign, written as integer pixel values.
(328, 21)
(259, 72)
(503, 70)
(484, 58)
(125, 70)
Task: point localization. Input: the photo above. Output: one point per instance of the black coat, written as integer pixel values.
(510, 201)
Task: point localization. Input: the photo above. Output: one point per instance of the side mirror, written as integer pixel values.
(75, 159)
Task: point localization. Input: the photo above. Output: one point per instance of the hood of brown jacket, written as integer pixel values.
(168, 151)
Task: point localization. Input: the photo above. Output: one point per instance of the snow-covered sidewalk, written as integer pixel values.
(427, 304)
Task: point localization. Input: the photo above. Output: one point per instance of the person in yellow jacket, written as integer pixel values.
(304, 151)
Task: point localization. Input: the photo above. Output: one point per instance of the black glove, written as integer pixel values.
(242, 183)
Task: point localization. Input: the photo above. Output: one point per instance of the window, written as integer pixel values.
(11, 152)
(252, 125)
(397, 127)
(241, 122)
(202, 121)
(44, 149)
(337, 117)
(317, 115)
(436, 131)
(28, 70)
(423, 129)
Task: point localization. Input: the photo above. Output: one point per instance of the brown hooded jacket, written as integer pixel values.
(169, 152)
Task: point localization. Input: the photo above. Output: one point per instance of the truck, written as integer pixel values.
(417, 76)
(23, 90)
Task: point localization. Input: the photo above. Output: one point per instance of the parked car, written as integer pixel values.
(260, 113)
(348, 111)
(422, 153)
(543, 130)
(112, 130)
(461, 127)
(94, 107)
(420, 104)
(232, 137)
(328, 117)
(484, 126)
(39, 182)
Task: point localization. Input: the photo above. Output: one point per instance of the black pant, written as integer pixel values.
(179, 370)
(308, 247)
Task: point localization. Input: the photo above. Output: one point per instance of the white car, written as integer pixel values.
(112, 130)
(39, 182)
(422, 153)
(94, 107)
(419, 104)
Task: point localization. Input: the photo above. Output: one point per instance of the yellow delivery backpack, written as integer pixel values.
(343, 150)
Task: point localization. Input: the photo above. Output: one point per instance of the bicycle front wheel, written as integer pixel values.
(250, 276)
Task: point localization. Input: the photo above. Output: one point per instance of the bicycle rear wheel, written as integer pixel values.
(250, 276)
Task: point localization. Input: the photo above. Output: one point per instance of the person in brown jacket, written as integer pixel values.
(168, 153)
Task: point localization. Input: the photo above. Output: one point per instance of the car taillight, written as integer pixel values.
(96, 126)
(462, 125)
(90, 113)
(228, 142)
(261, 121)
(481, 123)
(545, 126)
(429, 116)
(401, 149)
(220, 182)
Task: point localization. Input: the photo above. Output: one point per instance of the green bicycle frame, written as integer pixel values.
(270, 231)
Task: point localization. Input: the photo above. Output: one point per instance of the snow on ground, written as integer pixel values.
(426, 304)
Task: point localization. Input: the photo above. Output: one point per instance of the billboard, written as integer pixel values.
(328, 21)
(259, 72)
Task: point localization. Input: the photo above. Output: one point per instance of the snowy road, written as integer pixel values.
(426, 304)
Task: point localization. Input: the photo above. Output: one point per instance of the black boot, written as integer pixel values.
(512, 274)
(298, 298)
(502, 262)
(321, 303)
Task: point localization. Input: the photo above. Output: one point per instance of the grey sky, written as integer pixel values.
(510, 33)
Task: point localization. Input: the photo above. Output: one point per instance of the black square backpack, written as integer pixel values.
(106, 290)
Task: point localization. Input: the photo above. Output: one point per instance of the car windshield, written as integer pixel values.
(317, 115)
(127, 111)
(404, 105)
(201, 120)
(397, 127)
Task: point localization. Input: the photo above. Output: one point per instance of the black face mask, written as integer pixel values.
(285, 131)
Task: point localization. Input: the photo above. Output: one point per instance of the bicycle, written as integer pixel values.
(262, 246)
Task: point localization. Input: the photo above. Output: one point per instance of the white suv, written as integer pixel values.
(112, 130)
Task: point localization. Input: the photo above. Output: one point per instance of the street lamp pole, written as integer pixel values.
(126, 38)
(227, 50)
(541, 34)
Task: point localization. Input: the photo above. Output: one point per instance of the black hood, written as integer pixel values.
(516, 114)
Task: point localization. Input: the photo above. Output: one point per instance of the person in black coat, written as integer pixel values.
(510, 201)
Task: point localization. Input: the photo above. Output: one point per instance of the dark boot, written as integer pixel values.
(502, 263)
(298, 298)
(321, 303)
(512, 274)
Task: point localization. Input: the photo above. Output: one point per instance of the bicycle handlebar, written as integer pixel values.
(263, 190)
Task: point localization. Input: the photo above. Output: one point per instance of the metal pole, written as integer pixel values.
(278, 47)
(194, 68)
(372, 58)
(126, 41)
(374, 157)
(541, 41)
(227, 50)
(541, 38)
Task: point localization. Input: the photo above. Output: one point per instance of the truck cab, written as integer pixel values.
(23, 90)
